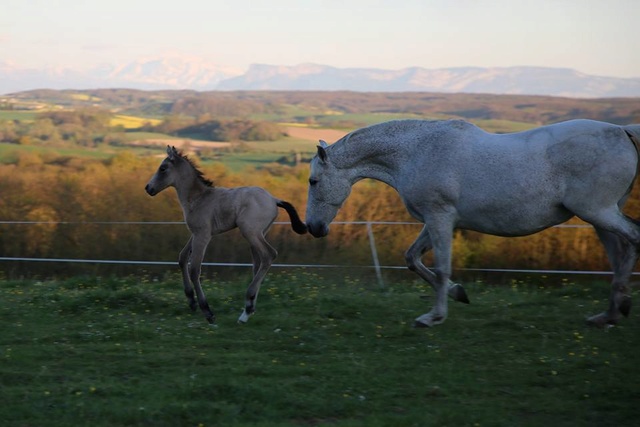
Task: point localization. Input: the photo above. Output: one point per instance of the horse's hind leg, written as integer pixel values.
(623, 257)
(263, 255)
(183, 262)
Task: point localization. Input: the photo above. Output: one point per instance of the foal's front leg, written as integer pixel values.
(183, 262)
(198, 247)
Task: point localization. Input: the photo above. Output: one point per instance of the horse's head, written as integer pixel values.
(329, 187)
(165, 175)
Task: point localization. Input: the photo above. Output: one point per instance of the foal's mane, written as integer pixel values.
(199, 173)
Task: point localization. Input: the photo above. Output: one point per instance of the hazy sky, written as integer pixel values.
(593, 36)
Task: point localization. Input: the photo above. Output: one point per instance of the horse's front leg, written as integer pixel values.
(183, 262)
(413, 258)
(198, 247)
(263, 255)
(439, 279)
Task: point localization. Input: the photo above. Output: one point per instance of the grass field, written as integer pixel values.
(319, 351)
(132, 122)
(10, 152)
(18, 115)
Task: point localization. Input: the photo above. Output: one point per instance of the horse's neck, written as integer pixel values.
(372, 157)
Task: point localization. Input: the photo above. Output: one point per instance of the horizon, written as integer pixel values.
(591, 37)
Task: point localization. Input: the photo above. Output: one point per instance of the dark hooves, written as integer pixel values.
(625, 306)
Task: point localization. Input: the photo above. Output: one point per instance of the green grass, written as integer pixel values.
(135, 136)
(18, 115)
(319, 351)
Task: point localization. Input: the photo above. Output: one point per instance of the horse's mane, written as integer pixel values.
(199, 173)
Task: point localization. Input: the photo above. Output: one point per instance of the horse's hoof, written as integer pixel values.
(211, 320)
(428, 321)
(419, 324)
(458, 293)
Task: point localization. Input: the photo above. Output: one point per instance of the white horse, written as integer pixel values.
(452, 174)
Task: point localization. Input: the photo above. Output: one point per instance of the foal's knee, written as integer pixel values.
(410, 260)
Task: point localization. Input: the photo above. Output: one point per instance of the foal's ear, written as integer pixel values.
(322, 153)
(172, 152)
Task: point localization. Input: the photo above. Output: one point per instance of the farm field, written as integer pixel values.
(320, 350)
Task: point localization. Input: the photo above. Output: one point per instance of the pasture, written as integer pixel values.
(321, 350)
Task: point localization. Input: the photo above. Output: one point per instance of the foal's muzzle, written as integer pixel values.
(150, 191)
(318, 229)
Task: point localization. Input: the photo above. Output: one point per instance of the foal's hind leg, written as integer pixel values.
(263, 255)
(622, 257)
(183, 262)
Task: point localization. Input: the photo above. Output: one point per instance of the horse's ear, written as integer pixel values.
(322, 153)
(323, 143)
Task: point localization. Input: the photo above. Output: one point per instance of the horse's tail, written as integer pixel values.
(633, 132)
(296, 223)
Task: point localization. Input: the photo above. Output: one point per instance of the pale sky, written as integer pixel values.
(592, 36)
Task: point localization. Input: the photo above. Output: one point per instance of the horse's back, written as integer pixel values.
(521, 182)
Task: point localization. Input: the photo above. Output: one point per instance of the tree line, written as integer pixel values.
(286, 104)
(89, 127)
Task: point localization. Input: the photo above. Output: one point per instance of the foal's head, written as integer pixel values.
(172, 170)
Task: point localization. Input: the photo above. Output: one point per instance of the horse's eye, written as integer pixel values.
(163, 168)
(313, 181)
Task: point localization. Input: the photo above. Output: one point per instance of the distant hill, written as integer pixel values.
(511, 80)
(196, 74)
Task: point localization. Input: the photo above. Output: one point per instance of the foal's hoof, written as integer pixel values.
(211, 319)
(244, 317)
(625, 305)
(602, 320)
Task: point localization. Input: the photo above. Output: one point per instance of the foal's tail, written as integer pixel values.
(296, 223)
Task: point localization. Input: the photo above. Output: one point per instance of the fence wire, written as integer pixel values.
(374, 256)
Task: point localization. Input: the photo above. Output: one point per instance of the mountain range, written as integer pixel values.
(181, 73)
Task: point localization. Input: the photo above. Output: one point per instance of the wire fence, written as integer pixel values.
(375, 262)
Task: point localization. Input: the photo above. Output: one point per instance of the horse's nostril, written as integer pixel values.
(317, 229)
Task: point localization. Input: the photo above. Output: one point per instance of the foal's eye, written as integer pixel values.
(313, 181)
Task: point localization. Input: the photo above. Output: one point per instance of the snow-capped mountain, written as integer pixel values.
(177, 72)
